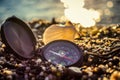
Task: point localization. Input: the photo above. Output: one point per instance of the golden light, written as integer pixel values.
(107, 12)
(76, 13)
(110, 4)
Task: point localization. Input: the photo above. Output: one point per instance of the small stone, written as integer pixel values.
(38, 61)
(9, 77)
(88, 69)
(50, 76)
(54, 69)
(27, 69)
(105, 78)
(41, 73)
(75, 69)
(110, 63)
(115, 75)
(84, 77)
(11, 59)
(60, 67)
(33, 78)
(1, 50)
(109, 70)
(8, 72)
(1, 67)
(19, 65)
(101, 66)
(2, 58)
(43, 68)
(99, 41)
(58, 74)
(3, 45)
(90, 73)
(47, 78)
(95, 69)
(26, 76)
(1, 62)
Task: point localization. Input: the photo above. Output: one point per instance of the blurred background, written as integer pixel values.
(47, 9)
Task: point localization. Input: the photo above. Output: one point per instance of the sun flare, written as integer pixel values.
(76, 13)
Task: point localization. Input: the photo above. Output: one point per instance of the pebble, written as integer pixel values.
(75, 69)
(43, 68)
(53, 69)
(41, 73)
(7, 72)
(98, 42)
(47, 78)
(38, 61)
(115, 75)
(28, 69)
(9, 77)
(1, 62)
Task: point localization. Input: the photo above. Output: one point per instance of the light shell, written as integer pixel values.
(59, 32)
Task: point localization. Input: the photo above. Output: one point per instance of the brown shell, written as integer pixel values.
(59, 32)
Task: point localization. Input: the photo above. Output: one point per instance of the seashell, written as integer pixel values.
(60, 32)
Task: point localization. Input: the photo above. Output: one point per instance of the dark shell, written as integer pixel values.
(18, 37)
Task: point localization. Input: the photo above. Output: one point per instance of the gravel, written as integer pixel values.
(101, 58)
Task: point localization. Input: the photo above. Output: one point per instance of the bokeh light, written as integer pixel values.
(47, 9)
(110, 4)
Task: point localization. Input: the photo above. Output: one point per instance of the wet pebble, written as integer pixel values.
(115, 75)
(98, 42)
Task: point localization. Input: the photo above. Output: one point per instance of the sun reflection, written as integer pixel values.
(107, 12)
(76, 13)
(110, 4)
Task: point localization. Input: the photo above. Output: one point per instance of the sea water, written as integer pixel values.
(47, 9)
